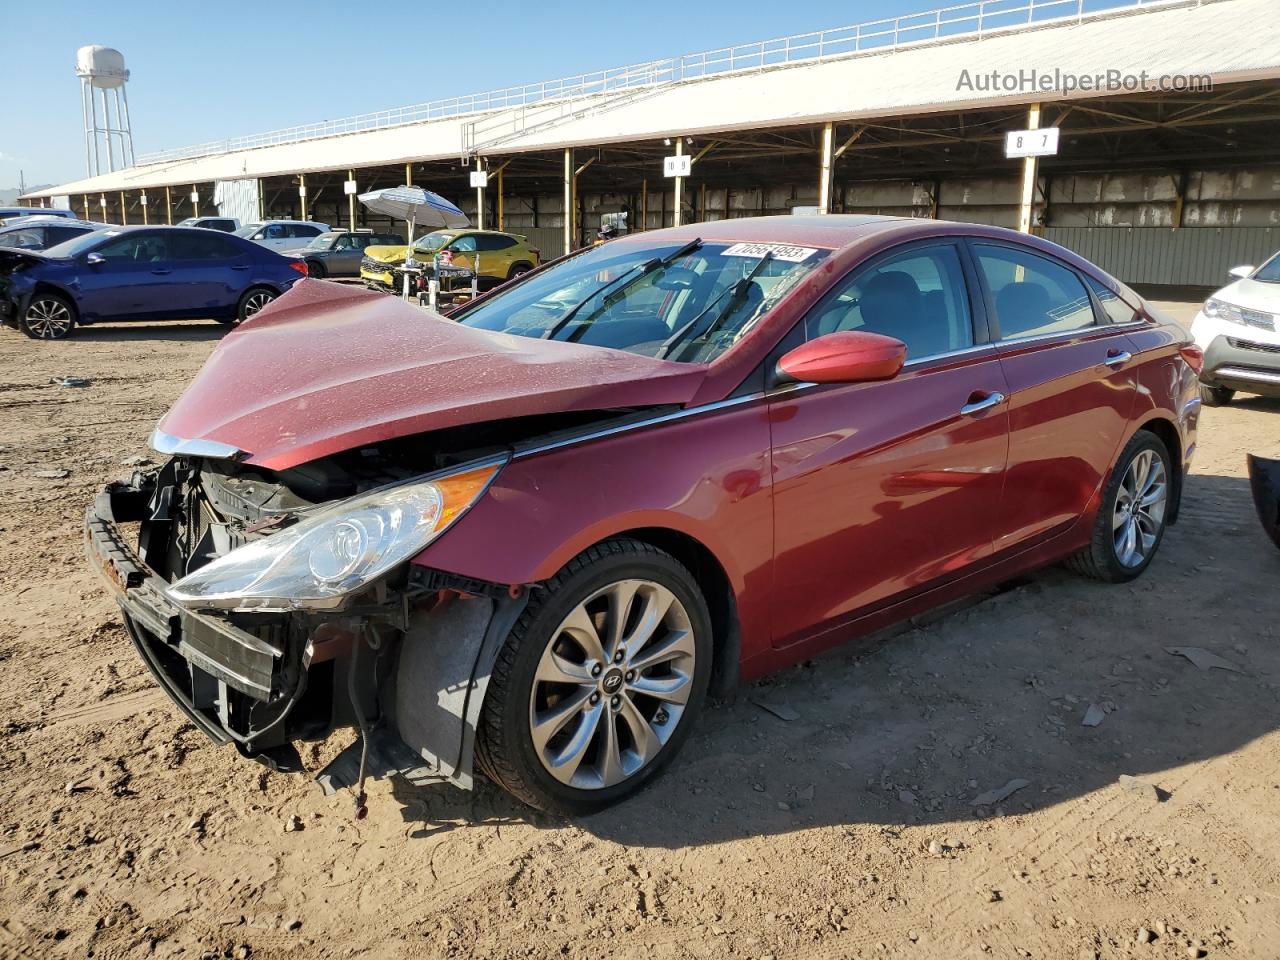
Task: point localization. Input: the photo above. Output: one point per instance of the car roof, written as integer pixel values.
(831, 230)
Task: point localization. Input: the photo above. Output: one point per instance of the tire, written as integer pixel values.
(252, 301)
(518, 270)
(48, 316)
(316, 270)
(1215, 396)
(569, 769)
(1111, 556)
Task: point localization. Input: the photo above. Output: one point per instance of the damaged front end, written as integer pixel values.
(274, 607)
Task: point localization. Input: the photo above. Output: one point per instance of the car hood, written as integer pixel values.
(325, 369)
(1253, 294)
(386, 254)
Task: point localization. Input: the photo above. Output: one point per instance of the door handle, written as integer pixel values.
(239, 266)
(1118, 359)
(161, 273)
(985, 403)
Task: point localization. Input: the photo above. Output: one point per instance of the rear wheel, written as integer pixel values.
(253, 301)
(599, 682)
(1215, 396)
(48, 317)
(518, 270)
(1131, 520)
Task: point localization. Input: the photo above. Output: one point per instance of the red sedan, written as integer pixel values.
(538, 533)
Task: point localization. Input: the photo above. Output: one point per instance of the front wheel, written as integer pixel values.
(316, 270)
(1131, 520)
(1215, 396)
(48, 317)
(599, 681)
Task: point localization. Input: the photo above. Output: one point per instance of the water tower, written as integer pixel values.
(107, 137)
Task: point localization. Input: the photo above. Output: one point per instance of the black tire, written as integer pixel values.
(1101, 559)
(519, 270)
(1215, 396)
(48, 316)
(316, 270)
(505, 748)
(250, 302)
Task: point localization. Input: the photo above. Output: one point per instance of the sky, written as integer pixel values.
(202, 72)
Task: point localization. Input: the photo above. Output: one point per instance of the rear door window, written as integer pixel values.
(494, 242)
(302, 230)
(58, 234)
(466, 244)
(1033, 295)
(205, 246)
(138, 248)
(1116, 309)
(919, 297)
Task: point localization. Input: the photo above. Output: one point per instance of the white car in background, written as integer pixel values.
(1238, 328)
(282, 234)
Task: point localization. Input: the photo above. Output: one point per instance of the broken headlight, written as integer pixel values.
(330, 554)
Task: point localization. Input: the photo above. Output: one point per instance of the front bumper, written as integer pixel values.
(198, 660)
(1242, 363)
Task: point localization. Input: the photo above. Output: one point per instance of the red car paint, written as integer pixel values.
(832, 509)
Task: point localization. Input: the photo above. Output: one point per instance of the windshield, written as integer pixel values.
(248, 230)
(322, 242)
(78, 245)
(1269, 272)
(621, 295)
(432, 242)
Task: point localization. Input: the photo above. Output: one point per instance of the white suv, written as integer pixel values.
(1238, 328)
(282, 234)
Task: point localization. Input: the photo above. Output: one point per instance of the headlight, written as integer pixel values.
(331, 554)
(1221, 310)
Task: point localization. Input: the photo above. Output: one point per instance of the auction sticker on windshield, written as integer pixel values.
(780, 251)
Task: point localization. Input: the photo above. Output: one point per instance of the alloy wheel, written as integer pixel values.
(1140, 507)
(612, 684)
(255, 302)
(48, 319)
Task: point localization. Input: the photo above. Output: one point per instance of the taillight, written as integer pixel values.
(299, 265)
(1194, 357)
(536, 252)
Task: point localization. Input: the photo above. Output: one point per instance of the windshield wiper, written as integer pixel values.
(644, 270)
(739, 290)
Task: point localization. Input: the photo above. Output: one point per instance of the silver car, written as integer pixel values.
(282, 235)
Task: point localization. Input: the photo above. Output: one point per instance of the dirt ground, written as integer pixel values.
(849, 831)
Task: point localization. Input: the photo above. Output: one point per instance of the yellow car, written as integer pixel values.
(501, 256)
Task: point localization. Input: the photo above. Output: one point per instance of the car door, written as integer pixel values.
(885, 489)
(210, 272)
(1072, 387)
(462, 251)
(132, 277)
(276, 236)
(343, 258)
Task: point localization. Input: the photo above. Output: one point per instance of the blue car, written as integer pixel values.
(140, 273)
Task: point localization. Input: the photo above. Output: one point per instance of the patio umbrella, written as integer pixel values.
(416, 206)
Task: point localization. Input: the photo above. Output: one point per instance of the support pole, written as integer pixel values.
(824, 169)
(351, 205)
(146, 220)
(479, 196)
(568, 200)
(644, 204)
(1180, 200)
(302, 195)
(168, 207)
(679, 187)
(1028, 176)
(124, 211)
(502, 220)
(195, 202)
(408, 181)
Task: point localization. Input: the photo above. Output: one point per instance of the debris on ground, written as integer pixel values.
(1203, 659)
(783, 711)
(137, 460)
(70, 381)
(1093, 716)
(992, 797)
(1139, 786)
(52, 474)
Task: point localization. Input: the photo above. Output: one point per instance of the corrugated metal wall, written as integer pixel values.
(1194, 256)
(238, 198)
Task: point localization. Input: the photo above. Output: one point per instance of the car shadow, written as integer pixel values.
(914, 725)
(181, 330)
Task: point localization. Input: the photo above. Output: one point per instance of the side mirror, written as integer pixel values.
(1241, 273)
(259, 236)
(847, 357)
(94, 259)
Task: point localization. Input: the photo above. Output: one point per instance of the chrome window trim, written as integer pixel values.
(162, 442)
(638, 425)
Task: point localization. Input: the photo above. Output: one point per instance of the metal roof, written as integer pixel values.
(1227, 40)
